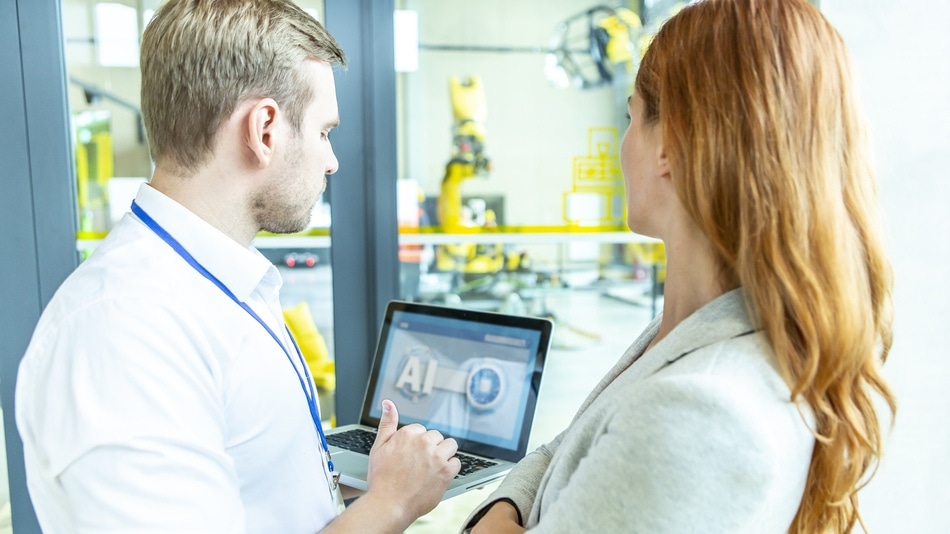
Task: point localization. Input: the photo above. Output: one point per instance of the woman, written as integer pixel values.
(747, 406)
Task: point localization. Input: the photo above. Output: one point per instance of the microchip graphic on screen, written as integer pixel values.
(486, 386)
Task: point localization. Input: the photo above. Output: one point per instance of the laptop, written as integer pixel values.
(472, 375)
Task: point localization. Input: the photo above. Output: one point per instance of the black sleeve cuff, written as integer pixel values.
(481, 513)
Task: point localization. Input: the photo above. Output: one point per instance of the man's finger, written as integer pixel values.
(448, 448)
(388, 423)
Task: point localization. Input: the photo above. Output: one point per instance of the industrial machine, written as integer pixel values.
(469, 110)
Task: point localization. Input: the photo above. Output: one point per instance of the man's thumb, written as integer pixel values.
(388, 423)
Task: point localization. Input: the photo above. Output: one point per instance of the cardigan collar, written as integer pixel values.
(724, 317)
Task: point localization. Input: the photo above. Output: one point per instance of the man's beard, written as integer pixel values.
(278, 217)
(274, 208)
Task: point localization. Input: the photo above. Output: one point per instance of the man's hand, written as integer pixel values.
(409, 470)
(411, 465)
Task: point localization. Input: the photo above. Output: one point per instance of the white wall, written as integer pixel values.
(533, 129)
(901, 52)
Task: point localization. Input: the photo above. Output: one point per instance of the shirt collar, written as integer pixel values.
(240, 269)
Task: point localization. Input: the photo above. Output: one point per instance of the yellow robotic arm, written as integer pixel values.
(469, 110)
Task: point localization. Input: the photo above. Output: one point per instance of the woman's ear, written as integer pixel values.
(662, 162)
(261, 128)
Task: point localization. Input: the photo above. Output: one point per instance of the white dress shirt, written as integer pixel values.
(149, 401)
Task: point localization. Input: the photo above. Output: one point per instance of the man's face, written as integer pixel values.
(284, 204)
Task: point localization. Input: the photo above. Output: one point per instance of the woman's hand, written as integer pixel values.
(501, 518)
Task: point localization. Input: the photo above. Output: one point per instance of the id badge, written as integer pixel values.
(337, 493)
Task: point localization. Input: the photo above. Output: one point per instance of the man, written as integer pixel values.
(161, 391)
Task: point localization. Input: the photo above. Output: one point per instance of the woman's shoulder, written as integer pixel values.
(731, 387)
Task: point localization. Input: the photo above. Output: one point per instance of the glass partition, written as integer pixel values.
(511, 195)
(510, 192)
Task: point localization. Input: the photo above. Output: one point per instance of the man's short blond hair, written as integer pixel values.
(201, 58)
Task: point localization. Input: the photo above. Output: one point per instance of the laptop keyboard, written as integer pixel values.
(470, 464)
(361, 440)
(356, 440)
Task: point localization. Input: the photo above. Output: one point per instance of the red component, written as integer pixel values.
(290, 261)
(311, 261)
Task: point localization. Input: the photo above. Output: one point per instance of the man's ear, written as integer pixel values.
(261, 129)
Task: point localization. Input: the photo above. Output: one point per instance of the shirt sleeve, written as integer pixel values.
(132, 422)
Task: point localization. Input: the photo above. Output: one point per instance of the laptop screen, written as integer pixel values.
(471, 375)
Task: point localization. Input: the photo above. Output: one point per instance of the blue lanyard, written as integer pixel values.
(305, 383)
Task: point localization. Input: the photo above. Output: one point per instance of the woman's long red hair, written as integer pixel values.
(768, 153)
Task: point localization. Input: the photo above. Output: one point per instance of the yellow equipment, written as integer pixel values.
(586, 47)
(469, 110)
(314, 349)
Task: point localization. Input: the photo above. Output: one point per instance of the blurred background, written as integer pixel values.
(508, 197)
